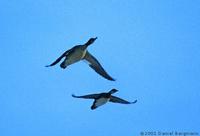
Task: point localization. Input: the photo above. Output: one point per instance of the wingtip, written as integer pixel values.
(111, 79)
(134, 102)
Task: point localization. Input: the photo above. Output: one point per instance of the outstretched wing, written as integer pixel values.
(94, 64)
(89, 96)
(119, 100)
(58, 59)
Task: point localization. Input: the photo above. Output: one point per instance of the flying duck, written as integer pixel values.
(79, 52)
(102, 98)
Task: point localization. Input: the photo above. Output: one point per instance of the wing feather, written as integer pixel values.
(89, 96)
(119, 100)
(95, 65)
(58, 59)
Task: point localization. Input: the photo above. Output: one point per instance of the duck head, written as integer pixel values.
(113, 91)
(90, 41)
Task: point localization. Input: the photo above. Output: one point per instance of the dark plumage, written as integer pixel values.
(79, 52)
(103, 98)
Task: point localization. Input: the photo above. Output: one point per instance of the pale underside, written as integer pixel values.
(75, 57)
(101, 101)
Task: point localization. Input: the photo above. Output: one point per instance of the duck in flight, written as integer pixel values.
(102, 98)
(79, 52)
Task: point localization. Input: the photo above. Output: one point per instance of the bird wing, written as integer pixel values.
(58, 59)
(95, 65)
(119, 100)
(89, 96)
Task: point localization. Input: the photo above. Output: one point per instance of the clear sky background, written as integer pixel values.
(151, 47)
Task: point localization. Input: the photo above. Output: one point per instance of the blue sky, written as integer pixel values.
(151, 47)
